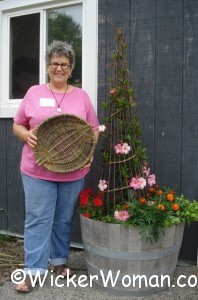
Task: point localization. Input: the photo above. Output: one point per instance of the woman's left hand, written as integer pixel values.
(89, 163)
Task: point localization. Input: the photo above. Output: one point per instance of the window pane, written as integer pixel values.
(24, 54)
(65, 24)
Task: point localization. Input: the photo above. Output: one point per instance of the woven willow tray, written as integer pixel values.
(65, 143)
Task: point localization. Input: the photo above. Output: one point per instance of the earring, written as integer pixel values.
(70, 76)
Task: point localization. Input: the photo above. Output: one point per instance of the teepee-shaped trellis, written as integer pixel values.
(123, 155)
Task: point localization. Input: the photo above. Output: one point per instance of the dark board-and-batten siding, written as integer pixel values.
(11, 192)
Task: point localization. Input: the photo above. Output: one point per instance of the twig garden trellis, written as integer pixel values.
(122, 129)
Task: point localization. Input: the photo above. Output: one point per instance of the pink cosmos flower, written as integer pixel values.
(122, 215)
(122, 148)
(118, 149)
(116, 214)
(146, 171)
(151, 180)
(142, 182)
(102, 185)
(102, 128)
(135, 183)
(126, 148)
(112, 91)
(138, 183)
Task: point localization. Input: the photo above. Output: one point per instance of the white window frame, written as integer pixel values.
(12, 8)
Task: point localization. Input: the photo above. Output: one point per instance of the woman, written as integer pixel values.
(50, 198)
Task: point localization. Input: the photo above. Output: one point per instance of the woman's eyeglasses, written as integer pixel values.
(63, 66)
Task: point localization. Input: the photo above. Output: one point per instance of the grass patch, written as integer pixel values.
(5, 238)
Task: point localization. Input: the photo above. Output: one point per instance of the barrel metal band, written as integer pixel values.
(131, 255)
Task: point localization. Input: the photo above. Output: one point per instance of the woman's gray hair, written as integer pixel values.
(59, 48)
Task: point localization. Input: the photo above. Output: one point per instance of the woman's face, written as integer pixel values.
(59, 69)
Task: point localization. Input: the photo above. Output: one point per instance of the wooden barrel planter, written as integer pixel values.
(118, 251)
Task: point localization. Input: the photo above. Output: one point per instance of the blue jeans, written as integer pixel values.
(50, 208)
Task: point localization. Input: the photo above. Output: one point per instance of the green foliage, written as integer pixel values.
(158, 212)
(105, 105)
(106, 156)
(4, 238)
(163, 208)
(124, 171)
(151, 233)
(64, 28)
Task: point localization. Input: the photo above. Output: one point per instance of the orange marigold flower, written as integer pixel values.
(160, 192)
(142, 200)
(151, 190)
(171, 192)
(170, 197)
(175, 206)
(161, 207)
(126, 206)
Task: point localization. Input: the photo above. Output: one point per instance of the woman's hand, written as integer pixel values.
(31, 138)
(89, 163)
(25, 135)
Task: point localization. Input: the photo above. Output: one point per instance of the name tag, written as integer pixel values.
(47, 102)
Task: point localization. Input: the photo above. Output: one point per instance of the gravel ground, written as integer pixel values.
(50, 291)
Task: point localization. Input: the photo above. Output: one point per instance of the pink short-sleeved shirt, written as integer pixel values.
(38, 105)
